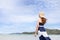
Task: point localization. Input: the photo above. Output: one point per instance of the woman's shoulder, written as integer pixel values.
(39, 19)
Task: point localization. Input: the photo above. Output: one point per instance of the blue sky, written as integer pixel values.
(21, 15)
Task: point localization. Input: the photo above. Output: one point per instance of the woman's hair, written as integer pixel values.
(43, 20)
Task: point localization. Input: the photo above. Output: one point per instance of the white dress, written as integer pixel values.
(42, 33)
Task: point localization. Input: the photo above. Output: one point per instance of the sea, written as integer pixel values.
(26, 37)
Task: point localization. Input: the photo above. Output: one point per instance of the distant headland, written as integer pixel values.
(49, 31)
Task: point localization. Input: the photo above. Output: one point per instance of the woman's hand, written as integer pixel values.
(35, 34)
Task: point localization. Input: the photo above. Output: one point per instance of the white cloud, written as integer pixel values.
(12, 13)
(53, 17)
(52, 4)
(18, 19)
(6, 4)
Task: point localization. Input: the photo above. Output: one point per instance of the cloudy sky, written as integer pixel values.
(21, 15)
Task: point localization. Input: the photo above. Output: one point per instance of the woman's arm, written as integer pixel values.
(37, 25)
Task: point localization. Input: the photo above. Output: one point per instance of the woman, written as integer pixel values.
(40, 30)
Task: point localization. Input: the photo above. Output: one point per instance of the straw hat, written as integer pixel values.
(41, 14)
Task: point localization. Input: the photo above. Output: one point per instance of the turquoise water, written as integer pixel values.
(26, 37)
